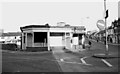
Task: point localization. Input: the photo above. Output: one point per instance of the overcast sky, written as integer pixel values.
(16, 14)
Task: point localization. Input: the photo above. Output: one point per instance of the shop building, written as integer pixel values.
(45, 36)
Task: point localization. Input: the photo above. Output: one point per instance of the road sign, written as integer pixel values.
(101, 24)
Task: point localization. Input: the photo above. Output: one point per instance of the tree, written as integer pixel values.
(119, 21)
(115, 23)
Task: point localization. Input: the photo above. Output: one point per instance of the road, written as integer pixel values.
(29, 62)
(84, 62)
(61, 60)
(69, 62)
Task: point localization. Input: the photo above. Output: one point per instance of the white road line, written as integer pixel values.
(69, 57)
(83, 61)
(107, 63)
(76, 63)
(62, 60)
(73, 62)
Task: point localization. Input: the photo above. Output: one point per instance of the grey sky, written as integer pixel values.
(17, 14)
(119, 9)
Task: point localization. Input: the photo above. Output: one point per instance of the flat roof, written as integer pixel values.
(11, 34)
(36, 26)
(47, 26)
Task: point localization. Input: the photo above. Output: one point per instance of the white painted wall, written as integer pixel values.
(75, 40)
(56, 41)
(60, 30)
(2, 39)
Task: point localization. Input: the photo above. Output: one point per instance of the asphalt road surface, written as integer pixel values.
(61, 60)
(84, 62)
(29, 62)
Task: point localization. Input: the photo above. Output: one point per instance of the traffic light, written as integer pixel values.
(106, 14)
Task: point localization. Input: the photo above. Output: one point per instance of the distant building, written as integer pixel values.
(45, 36)
(113, 35)
(61, 24)
(1, 32)
(11, 37)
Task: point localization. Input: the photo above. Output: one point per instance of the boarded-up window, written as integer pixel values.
(75, 35)
(40, 37)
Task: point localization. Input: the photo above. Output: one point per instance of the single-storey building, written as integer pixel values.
(11, 37)
(45, 36)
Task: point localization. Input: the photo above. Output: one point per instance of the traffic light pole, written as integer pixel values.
(106, 54)
(106, 42)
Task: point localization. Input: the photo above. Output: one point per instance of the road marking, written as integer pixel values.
(83, 61)
(73, 62)
(76, 63)
(62, 60)
(107, 63)
(69, 57)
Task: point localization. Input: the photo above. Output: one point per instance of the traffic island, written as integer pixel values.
(104, 56)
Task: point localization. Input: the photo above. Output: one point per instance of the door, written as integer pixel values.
(24, 41)
(29, 39)
(68, 43)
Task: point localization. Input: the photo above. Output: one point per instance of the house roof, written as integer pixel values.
(110, 27)
(117, 30)
(101, 32)
(35, 26)
(73, 27)
(47, 26)
(12, 34)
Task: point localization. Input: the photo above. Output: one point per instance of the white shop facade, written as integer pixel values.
(45, 36)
